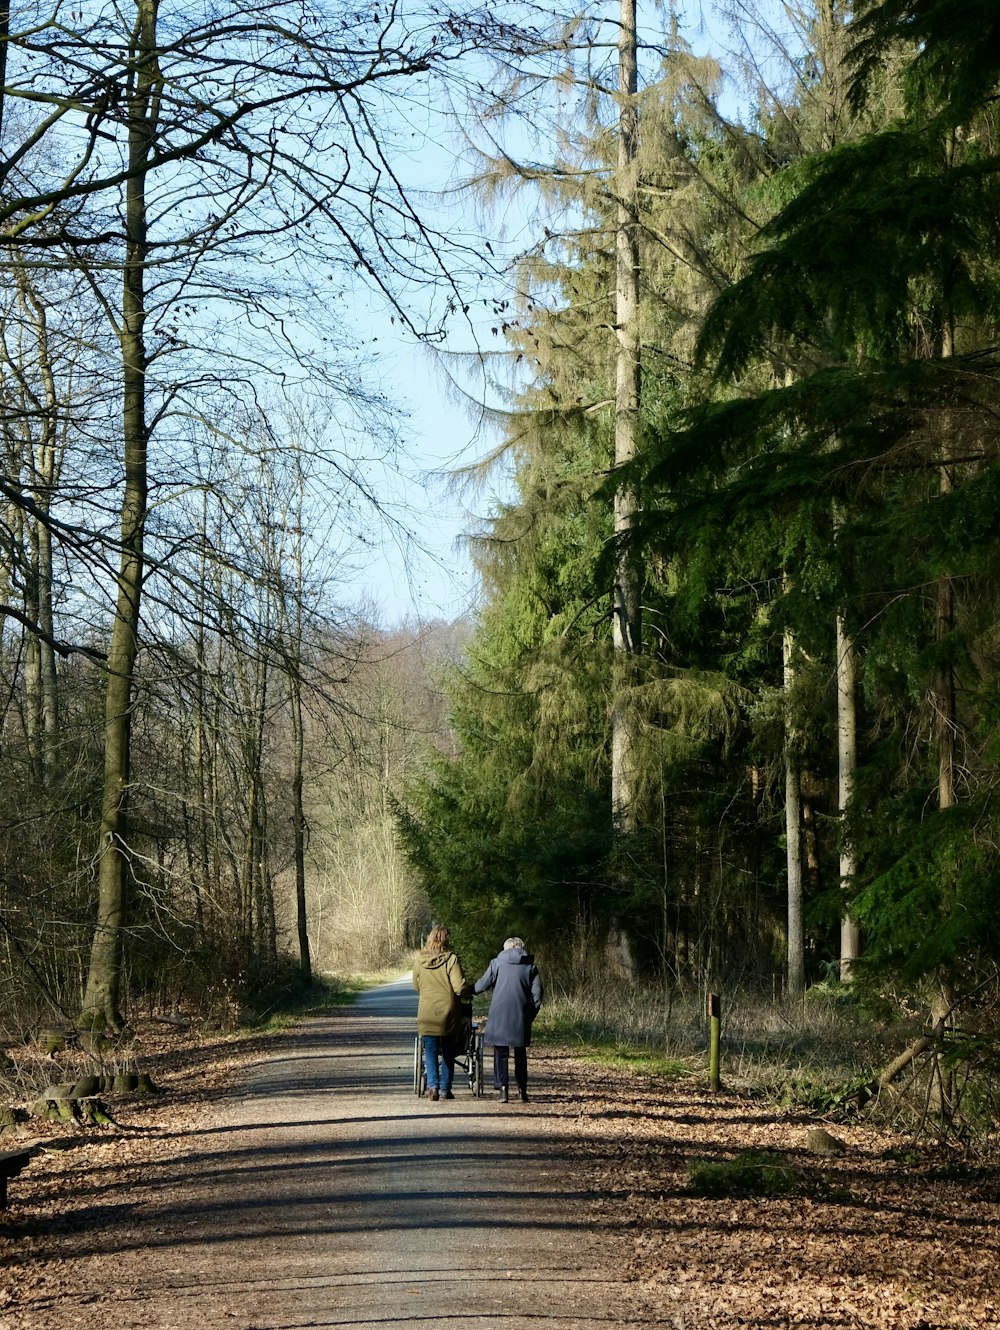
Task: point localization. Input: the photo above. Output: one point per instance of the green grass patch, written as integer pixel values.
(562, 1028)
(639, 1061)
(752, 1173)
(560, 1021)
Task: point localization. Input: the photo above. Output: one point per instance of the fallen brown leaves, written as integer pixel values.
(60, 1191)
(865, 1240)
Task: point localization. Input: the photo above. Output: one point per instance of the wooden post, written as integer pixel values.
(714, 1022)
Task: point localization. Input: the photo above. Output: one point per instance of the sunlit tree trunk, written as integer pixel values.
(45, 470)
(101, 998)
(946, 733)
(34, 450)
(793, 834)
(299, 830)
(834, 94)
(293, 657)
(850, 943)
(257, 904)
(627, 628)
(201, 740)
(4, 34)
(810, 837)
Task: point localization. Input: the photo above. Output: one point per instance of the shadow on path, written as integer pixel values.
(325, 1193)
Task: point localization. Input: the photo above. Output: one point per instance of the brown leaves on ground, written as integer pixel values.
(863, 1240)
(878, 1236)
(76, 1165)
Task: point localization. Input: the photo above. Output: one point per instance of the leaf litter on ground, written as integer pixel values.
(879, 1236)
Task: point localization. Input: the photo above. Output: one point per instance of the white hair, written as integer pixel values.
(514, 942)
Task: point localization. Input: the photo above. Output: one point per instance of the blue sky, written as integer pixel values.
(430, 578)
(440, 431)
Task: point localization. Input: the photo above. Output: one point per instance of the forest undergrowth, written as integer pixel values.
(824, 1054)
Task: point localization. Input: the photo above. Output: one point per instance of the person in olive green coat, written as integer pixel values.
(438, 978)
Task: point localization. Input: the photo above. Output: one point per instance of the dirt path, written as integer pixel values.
(326, 1194)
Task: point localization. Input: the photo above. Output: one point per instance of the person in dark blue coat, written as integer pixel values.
(517, 996)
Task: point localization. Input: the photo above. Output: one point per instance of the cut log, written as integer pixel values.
(174, 1018)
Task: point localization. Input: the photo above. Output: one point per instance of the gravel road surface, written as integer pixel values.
(324, 1193)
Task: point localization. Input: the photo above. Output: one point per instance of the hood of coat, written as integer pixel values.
(435, 961)
(515, 956)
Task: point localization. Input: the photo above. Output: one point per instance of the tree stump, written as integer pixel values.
(56, 1039)
(11, 1118)
(821, 1142)
(59, 1107)
(87, 1086)
(77, 1101)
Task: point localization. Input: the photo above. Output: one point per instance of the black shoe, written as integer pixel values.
(524, 1096)
(435, 1095)
(502, 1096)
(447, 1095)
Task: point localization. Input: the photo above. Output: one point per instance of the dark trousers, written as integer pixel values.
(501, 1068)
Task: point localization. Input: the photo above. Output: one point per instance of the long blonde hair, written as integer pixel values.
(438, 940)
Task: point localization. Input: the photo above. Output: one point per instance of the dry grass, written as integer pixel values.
(818, 1054)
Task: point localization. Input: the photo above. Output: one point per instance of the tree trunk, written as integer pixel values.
(945, 712)
(944, 686)
(295, 683)
(206, 881)
(809, 842)
(850, 943)
(627, 612)
(102, 995)
(4, 34)
(299, 825)
(42, 459)
(793, 837)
